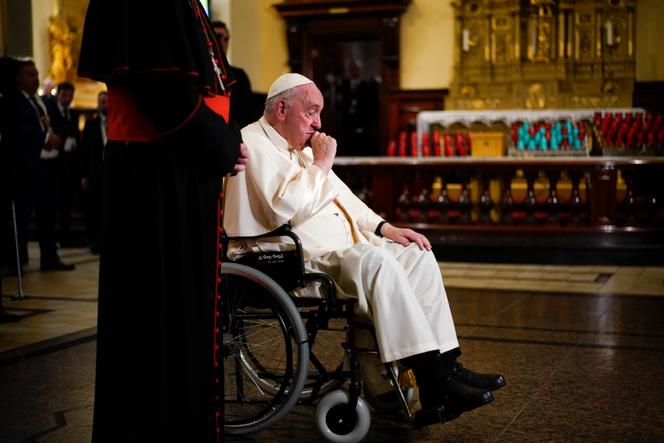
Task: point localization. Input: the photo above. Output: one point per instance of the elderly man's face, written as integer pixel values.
(303, 116)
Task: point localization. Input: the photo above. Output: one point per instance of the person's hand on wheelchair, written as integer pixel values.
(241, 163)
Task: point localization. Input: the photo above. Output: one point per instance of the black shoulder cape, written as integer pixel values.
(130, 36)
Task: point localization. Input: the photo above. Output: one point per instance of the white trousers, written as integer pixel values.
(400, 289)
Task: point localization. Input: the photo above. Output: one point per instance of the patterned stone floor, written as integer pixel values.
(582, 349)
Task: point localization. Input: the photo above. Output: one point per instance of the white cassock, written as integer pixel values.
(399, 288)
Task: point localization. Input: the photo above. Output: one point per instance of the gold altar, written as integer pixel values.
(543, 54)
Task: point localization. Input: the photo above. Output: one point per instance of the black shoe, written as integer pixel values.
(432, 416)
(57, 266)
(439, 388)
(454, 396)
(489, 382)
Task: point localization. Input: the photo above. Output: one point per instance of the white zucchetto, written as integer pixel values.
(286, 82)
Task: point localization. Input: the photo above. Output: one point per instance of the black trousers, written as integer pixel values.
(39, 194)
(70, 186)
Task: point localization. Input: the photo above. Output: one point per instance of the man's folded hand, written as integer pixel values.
(324, 148)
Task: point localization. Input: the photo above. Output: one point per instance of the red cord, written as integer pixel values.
(217, 338)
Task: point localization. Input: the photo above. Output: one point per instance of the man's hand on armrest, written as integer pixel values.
(404, 236)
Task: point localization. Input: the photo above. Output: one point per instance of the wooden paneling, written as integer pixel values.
(322, 37)
(404, 105)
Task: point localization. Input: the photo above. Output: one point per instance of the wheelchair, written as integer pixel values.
(279, 349)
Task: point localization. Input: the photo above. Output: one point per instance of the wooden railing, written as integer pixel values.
(607, 201)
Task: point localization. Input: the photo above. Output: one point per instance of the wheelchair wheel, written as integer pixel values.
(338, 423)
(264, 350)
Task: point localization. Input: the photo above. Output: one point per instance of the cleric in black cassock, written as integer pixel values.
(169, 146)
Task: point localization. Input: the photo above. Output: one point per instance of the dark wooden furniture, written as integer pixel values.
(404, 105)
(325, 37)
(600, 203)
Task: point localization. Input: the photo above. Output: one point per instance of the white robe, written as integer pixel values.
(399, 288)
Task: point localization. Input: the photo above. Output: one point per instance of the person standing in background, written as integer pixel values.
(242, 101)
(8, 155)
(165, 159)
(360, 105)
(64, 122)
(37, 169)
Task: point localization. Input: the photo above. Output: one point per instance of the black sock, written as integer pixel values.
(450, 357)
(420, 361)
(426, 367)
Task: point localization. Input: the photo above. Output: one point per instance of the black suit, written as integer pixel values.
(37, 183)
(242, 100)
(7, 188)
(92, 155)
(65, 123)
(7, 159)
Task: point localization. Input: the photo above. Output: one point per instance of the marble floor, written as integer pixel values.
(582, 348)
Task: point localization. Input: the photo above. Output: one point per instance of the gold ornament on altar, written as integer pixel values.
(60, 39)
(541, 42)
(536, 98)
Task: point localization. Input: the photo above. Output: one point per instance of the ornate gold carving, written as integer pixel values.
(609, 87)
(614, 28)
(473, 8)
(543, 41)
(468, 91)
(543, 53)
(585, 18)
(500, 49)
(470, 38)
(541, 26)
(60, 39)
(536, 97)
(585, 45)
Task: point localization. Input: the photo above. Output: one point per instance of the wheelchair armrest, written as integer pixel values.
(281, 231)
(303, 278)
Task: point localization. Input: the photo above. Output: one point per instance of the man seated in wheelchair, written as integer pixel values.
(390, 271)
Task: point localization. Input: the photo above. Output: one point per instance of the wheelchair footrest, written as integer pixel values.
(426, 417)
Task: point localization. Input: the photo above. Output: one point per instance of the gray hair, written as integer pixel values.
(287, 96)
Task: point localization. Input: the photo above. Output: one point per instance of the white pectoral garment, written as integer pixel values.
(399, 288)
(281, 185)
